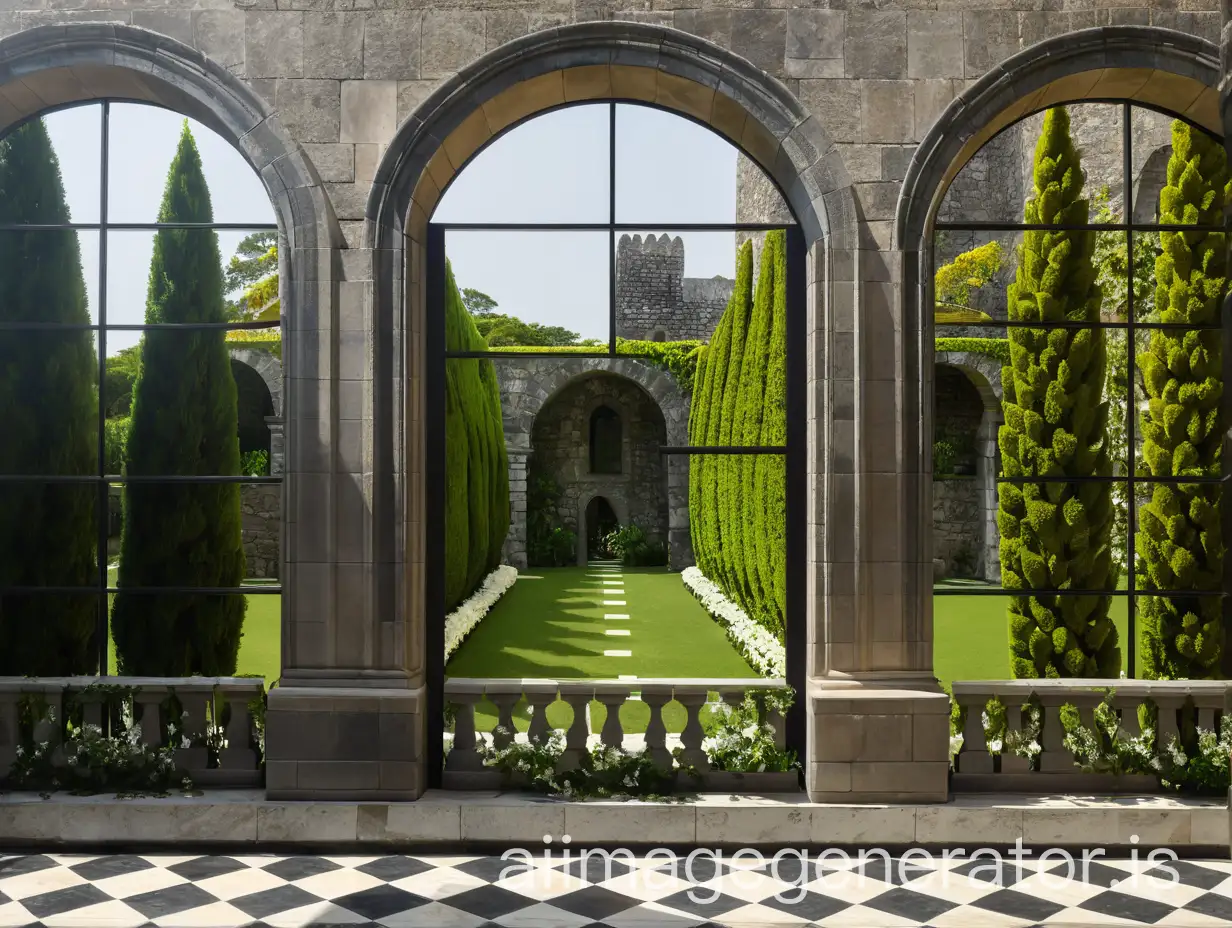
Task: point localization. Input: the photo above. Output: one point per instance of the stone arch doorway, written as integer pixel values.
(258, 381)
(657, 66)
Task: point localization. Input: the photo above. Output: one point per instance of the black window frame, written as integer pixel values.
(1131, 480)
(437, 356)
(102, 480)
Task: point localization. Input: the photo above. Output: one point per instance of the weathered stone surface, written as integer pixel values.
(334, 162)
(310, 109)
(887, 109)
(219, 35)
(334, 44)
(411, 94)
(274, 44)
(261, 528)
(391, 46)
(369, 111)
(992, 36)
(875, 44)
(934, 44)
(450, 40)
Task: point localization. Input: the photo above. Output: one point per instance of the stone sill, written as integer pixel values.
(442, 819)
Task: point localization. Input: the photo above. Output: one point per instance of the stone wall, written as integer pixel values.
(957, 527)
(561, 444)
(261, 521)
(655, 301)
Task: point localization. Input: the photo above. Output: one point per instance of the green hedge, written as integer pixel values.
(184, 423)
(1179, 540)
(48, 532)
(1057, 535)
(998, 348)
(738, 502)
(477, 465)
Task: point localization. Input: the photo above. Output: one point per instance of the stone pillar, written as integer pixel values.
(278, 452)
(877, 722)
(986, 487)
(514, 553)
(679, 540)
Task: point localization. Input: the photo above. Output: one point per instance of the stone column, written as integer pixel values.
(877, 721)
(277, 445)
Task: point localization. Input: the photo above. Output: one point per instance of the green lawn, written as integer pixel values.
(550, 624)
(261, 646)
(971, 634)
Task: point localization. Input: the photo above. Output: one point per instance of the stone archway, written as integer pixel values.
(1155, 67)
(529, 386)
(637, 62)
(269, 368)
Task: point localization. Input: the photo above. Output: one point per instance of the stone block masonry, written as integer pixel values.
(655, 301)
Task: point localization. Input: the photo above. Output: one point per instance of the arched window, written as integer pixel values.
(150, 245)
(1084, 290)
(605, 441)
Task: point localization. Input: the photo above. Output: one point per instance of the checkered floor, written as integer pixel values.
(195, 891)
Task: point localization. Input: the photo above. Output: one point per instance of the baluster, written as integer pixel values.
(1168, 706)
(691, 738)
(238, 754)
(539, 696)
(612, 697)
(147, 705)
(92, 706)
(578, 698)
(775, 720)
(463, 756)
(656, 697)
(192, 725)
(505, 698)
(10, 737)
(973, 757)
(49, 727)
(1206, 717)
(1129, 722)
(1014, 721)
(1053, 756)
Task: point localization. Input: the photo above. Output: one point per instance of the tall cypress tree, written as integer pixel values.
(699, 412)
(48, 378)
(770, 470)
(183, 424)
(1179, 541)
(1057, 535)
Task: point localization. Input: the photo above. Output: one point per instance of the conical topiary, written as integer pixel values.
(1179, 543)
(48, 377)
(184, 423)
(1057, 535)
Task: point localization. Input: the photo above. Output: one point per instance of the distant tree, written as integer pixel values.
(477, 302)
(118, 385)
(48, 531)
(253, 271)
(501, 331)
(184, 424)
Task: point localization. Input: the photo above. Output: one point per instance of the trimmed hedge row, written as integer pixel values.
(1057, 535)
(477, 465)
(1179, 540)
(737, 503)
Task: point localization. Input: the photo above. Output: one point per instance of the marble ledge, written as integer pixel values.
(442, 819)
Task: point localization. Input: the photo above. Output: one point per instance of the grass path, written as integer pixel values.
(597, 622)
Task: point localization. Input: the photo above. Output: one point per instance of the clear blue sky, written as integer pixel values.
(551, 169)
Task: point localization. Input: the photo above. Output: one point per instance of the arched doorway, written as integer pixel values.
(599, 521)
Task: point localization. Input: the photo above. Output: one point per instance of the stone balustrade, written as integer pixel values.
(1179, 703)
(216, 708)
(464, 764)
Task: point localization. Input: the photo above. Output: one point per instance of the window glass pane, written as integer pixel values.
(669, 169)
(553, 168)
(49, 277)
(674, 287)
(49, 395)
(188, 392)
(995, 185)
(536, 289)
(143, 144)
(58, 636)
(75, 135)
(1153, 136)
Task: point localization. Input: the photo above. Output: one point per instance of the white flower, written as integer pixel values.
(759, 646)
(462, 621)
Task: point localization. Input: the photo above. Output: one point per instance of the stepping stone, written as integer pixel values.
(617, 653)
(614, 602)
(617, 631)
(617, 616)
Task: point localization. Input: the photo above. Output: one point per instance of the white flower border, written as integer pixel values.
(462, 621)
(759, 646)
